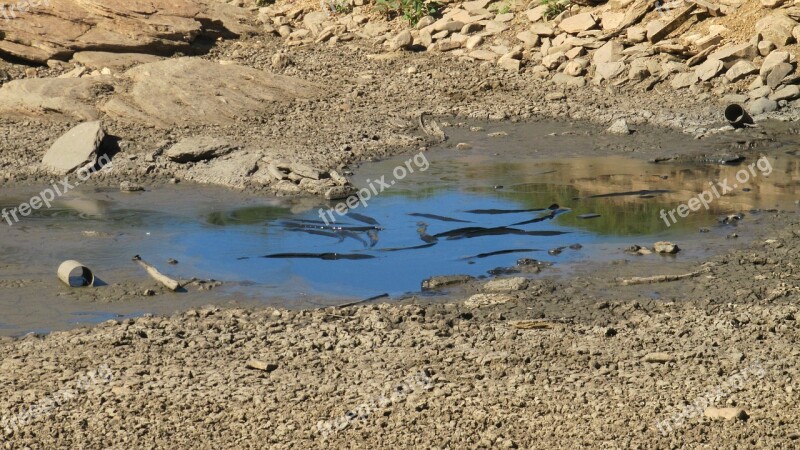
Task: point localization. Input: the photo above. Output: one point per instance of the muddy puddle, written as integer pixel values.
(468, 212)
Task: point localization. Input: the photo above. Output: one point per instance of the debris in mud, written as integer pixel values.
(75, 274)
(588, 216)
(531, 325)
(168, 282)
(731, 219)
(664, 247)
(503, 252)
(446, 280)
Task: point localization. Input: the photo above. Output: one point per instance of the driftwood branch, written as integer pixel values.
(659, 278)
(171, 284)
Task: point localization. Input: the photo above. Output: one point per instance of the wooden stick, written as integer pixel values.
(658, 278)
(158, 276)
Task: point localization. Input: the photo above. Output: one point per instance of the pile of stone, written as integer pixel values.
(621, 42)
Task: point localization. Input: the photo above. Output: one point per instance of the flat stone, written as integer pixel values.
(658, 357)
(447, 280)
(619, 127)
(506, 285)
(709, 69)
(772, 60)
(683, 80)
(484, 300)
(65, 27)
(54, 98)
(790, 92)
(609, 70)
(307, 171)
(777, 74)
(610, 52)
(731, 53)
(194, 91)
(257, 364)
(542, 29)
(403, 40)
(726, 413)
(199, 148)
(75, 149)
(665, 247)
(113, 61)
(528, 38)
(536, 14)
(567, 80)
(578, 23)
(762, 106)
(740, 70)
(776, 27)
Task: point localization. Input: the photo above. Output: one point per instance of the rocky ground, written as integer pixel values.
(285, 98)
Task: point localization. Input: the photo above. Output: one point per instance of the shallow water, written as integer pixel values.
(603, 203)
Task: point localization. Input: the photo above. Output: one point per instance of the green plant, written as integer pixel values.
(411, 10)
(554, 7)
(505, 8)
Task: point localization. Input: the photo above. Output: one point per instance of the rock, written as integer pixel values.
(542, 29)
(709, 69)
(450, 26)
(307, 171)
(443, 281)
(75, 149)
(609, 70)
(576, 67)
(766, 47)
(740, 70)
(528, 38)
(483, 55)
(257, 364)
(564, 79)
(790, 92)
(762, 106)
(732, 53)
(473, 42)
(280, 61)
(683, 80)
(199, 148)
(776, 27)
(637, 34)
(506, 285)
(403, 40)
(551, 62)
(338, 192)
(509, 63)
(578, 23)
(127, 186)
(726, 413)
(425, 22)
(658, 357)
(483, 300)
(154, 27)
(536, 14)
(665, 247)
(183, 91)
(56, 98)
(777, 74)
(620, 127)
(771, 4)
(611, 20)
(772, 60)
(113, 61)
(610, 52)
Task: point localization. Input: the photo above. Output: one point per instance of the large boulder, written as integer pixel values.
(195, 91)
(58, 98)
(75, 149)
(58, 29)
